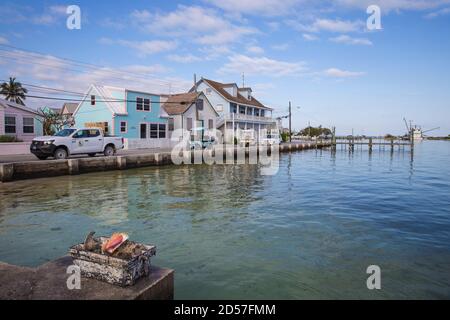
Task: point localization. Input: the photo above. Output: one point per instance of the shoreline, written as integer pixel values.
(26, 170)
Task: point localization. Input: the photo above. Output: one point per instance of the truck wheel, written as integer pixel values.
(60, 154)
(109, 151)
(91, 154)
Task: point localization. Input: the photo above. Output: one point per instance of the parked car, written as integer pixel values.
(272, 138)
(206, 143)
(69, 142)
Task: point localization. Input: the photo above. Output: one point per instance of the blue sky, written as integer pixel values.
(318, 54)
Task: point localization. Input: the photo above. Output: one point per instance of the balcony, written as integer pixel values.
(243, 117)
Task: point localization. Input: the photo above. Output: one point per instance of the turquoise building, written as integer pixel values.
(136, 116)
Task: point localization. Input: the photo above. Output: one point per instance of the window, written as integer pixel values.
(262, 113)
(28, 125)
(65, 133)
(94, 133)
(123, 126)
(156, 130)
(208, 91)
(219, 108)
(199, 104)
(146, 104)
(153, 131)
(162, 130)
(81, 134)
(171, 124)
(106, 127)
(142, 104)
(257, 112)
(189, 124)
(241, 110)
(210, 124)
(10, 124)
(249, 111)
(139, 104)
(92, 100)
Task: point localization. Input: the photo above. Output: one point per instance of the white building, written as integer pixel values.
(191, 112)
(237, 108)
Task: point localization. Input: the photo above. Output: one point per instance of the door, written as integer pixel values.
(87, 141)
(95, 143)
(80, 142)
(201, 126)
(143, 131)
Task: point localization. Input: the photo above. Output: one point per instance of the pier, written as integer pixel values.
(371, 144)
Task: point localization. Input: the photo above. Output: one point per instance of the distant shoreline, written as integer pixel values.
(438, 138)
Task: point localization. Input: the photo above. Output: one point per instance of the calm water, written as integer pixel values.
(308, 232)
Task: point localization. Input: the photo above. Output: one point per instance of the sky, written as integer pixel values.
(320, 55)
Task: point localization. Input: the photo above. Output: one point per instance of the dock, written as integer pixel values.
(49, 282)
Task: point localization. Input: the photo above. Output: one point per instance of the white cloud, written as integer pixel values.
(329, 25)
(261, 66)
(338, 73)
(189, 58)
(281, 47)
(309, 37)
(255, 50)
(256, 7)
(50, 71)
(112, 24)
(143, 48)
(204, 26)
(215, 52)
(337, 25)
(225, 36)
(438, 13)
(353, 41)
(3, 40)
(389, 5)
(273, 25)
(52, 15)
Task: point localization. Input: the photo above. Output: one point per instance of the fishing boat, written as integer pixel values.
(415, 132)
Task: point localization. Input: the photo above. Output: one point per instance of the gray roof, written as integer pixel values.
(70, 107)
(5, 103)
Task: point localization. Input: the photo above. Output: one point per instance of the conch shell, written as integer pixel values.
(116, 240)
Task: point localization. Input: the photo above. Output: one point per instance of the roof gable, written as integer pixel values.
(239, 99)
(180, 103)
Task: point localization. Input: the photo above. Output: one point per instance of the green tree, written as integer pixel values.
(13, 91)
(52, 121)
(315, 132)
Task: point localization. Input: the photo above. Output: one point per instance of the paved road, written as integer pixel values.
(30, 157)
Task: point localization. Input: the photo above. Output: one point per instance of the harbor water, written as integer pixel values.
(310, 231)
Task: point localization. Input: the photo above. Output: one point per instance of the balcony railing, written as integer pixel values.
(244, 117)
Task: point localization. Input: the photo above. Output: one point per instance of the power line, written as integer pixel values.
(123, 75)
(78, 62)
(99, 100)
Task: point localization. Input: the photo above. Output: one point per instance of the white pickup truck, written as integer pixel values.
(71, 141)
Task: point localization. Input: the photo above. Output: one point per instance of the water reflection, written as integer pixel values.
(229, 232)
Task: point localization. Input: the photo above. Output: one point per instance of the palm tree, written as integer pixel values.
(13, 91)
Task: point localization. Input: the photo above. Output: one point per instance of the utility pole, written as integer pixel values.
(290, 122)
(195, 82)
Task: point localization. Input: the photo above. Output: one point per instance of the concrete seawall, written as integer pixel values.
(49, 282)
(51, 168)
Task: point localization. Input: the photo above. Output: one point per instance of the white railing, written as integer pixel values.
(243, 117)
